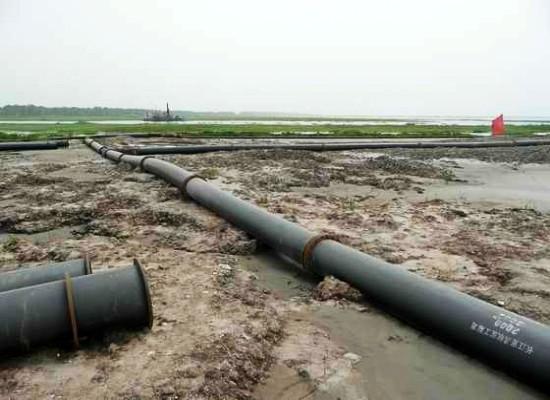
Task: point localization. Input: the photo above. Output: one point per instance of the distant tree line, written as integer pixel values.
(32, 111)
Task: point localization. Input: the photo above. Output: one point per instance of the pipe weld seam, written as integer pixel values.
(307, 254)
(142, 161)
(183, 187)
(71, 309)
(120, 158)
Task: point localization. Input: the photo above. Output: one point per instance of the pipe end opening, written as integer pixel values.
(87, 265)
(147, 293)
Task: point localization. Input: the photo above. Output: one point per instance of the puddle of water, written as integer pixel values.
(401, 363)
(398, 362)
(278, 274)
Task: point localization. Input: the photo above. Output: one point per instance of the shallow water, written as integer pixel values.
(398, 362)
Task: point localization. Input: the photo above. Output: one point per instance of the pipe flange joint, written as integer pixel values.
(119, 158)
(106, 151)
(307, 254)
(99, 151)
(142, 161)
(183, 187)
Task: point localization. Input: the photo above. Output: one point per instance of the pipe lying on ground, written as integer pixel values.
(45, 273)
(196, 149)
(502, 338)
(61, 142)
(74, 308)
(22, 146)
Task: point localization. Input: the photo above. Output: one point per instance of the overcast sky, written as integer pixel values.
(422, 57)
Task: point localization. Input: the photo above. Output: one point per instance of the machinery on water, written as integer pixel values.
(161, 116)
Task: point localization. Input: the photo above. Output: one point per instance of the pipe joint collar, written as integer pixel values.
(106, 151)
(307, 254)
(100, 150)
(142, 161)
(183, 187)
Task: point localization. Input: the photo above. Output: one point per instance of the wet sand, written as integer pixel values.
(523, 186)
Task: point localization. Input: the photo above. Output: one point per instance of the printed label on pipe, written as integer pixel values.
(508, 327)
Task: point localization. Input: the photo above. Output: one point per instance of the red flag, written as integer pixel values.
(497, 126)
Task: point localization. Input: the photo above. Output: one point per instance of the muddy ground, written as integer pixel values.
(232, 320)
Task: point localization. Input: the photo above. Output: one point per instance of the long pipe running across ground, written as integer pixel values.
(196, 149)
(494, 335)
(22, 146)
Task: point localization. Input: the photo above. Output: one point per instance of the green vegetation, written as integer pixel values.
(209, 173)
(36, 131)
(23, 131)
(447, 175)
(10, 245)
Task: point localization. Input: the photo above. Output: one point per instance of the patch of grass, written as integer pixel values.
(447, 175)
(47, 131)
(349, 204)
(262, 201)
(209, 173)
(11, 244)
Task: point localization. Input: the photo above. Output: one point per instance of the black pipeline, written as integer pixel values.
(45, 273)
(74, 307)
(21, 146)
(494, 335)
(196, 149)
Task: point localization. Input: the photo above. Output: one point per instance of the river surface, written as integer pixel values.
(397, 120)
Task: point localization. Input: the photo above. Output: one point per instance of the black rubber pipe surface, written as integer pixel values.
(44, 273)
(196, 149)
(74, 307)
(21, 146)
(494, 335)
